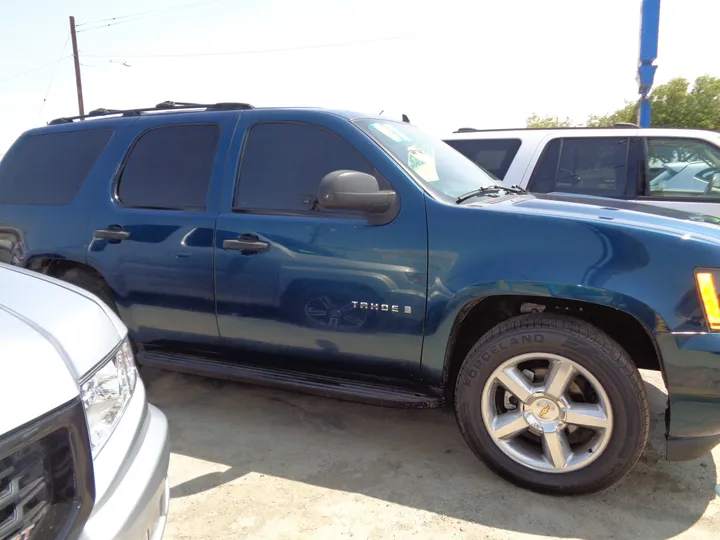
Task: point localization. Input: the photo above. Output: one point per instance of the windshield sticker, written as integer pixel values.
(391, 132)
(423, 163)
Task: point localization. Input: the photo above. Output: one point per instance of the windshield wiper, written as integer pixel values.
(488, 189)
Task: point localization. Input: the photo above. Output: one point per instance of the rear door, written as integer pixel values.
(151, 234)
(681, 173)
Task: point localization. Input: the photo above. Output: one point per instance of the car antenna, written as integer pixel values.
(405, 119)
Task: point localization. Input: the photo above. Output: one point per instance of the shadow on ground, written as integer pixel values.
(413, 458)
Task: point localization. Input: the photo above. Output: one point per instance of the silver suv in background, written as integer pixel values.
(82, 453)
(673, 168)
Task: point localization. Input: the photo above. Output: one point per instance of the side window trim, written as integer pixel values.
(537, 153)
(640, 147)
(115, 186)
(633, 178)
(559, 158)
(235, 208)
(542, 150)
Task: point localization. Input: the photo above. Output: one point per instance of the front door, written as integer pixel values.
(298, 284)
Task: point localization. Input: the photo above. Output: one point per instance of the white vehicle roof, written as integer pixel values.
(538, 134)
(51, 335)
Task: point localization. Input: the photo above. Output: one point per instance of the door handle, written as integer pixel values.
(246, 243)
(111, 233)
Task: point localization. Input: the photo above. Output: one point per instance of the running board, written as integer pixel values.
(308, 383)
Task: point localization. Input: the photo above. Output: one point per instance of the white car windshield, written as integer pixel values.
(431, 161)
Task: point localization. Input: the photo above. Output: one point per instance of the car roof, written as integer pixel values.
(537, 134)
(100, 118)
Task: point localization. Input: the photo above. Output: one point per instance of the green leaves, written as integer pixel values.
(674, 105)
(536, 121)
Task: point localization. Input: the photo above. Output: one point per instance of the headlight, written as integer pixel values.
(106, 393)
(706, 280)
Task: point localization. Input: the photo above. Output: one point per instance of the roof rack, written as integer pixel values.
(164, 106)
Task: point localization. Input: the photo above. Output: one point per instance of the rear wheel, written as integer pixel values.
(552, 404)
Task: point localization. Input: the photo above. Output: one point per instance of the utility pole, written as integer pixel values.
(78, 81)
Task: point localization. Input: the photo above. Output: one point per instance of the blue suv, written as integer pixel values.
(360, 258)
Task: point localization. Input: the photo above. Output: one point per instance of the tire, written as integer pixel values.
(535, 457)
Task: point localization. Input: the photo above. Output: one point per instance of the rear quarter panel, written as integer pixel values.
(29, 232)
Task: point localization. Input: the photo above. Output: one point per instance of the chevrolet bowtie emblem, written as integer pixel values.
(544, 411)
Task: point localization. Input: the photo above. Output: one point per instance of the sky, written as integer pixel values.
(446, 64)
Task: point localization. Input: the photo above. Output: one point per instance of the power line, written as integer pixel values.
(52, 79)
(34, 69)
(142, 15)
(262, 51)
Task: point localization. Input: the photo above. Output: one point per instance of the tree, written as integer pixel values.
(675, 105)
(536, 121)
(628, 113)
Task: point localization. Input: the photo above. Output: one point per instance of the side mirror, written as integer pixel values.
(354, 191)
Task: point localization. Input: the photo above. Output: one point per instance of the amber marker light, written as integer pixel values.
(709, 297)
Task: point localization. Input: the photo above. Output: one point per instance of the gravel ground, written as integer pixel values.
(255, 463)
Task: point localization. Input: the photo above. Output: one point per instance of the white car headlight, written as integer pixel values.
(106, 392)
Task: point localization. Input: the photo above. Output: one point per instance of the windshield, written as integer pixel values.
(432, 162)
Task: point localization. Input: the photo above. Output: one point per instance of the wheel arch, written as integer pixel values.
(54, 266)
(626, 320)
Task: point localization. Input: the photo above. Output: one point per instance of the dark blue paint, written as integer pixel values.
(273, 301)
(176, 286)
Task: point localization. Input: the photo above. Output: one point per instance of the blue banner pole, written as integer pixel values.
(649, 32)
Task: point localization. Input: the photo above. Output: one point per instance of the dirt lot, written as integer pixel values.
(255, 463)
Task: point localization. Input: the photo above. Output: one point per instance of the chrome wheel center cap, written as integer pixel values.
(544, 414)
(545, 410)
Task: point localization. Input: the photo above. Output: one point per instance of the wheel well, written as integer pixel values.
(482, 315)
(57, 267)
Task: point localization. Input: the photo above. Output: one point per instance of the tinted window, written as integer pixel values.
(593, 166)
(283, 164)
(169, 168)
(542, 179)
(493, 155)
(683, 168)
(49, 169)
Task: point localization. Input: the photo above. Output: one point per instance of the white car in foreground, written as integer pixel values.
(82, 453)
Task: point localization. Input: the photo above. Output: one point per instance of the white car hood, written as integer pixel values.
(35, 376)
(51, 335)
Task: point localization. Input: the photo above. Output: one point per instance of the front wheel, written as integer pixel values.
(552, 404)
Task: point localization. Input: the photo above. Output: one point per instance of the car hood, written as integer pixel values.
(620, 212)
(75, 322)
(36, 377)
